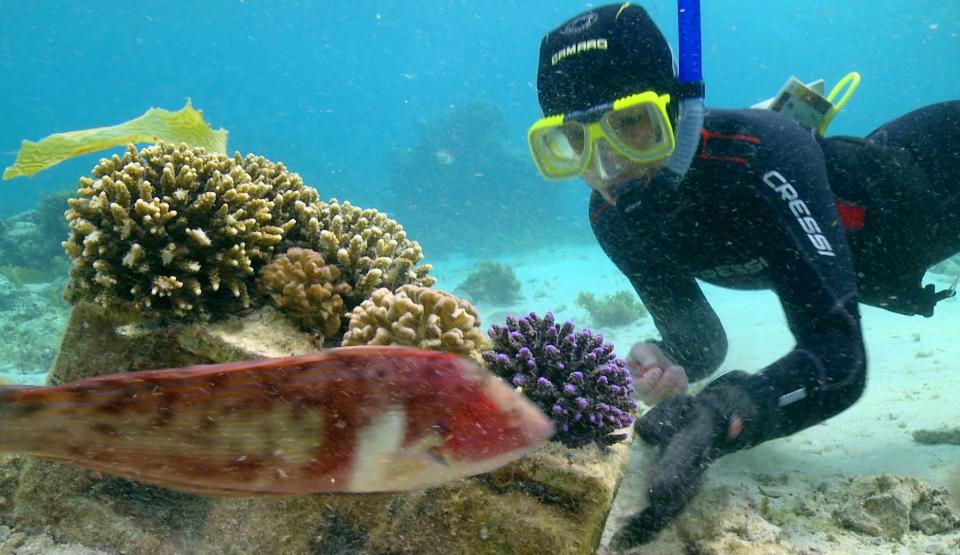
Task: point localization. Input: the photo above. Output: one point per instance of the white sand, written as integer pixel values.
(914, 374)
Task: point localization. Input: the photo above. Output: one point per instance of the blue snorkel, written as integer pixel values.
(690, 93)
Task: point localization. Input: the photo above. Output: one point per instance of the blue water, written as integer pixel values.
(356, 96)
(334, 88)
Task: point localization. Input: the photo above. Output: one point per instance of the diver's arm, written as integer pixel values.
(812, 273)
(825, 373)
(692, 335)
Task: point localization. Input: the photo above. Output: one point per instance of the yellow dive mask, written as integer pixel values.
(633, 128)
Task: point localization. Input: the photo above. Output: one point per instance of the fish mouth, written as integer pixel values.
(523, 413)
(522, 429)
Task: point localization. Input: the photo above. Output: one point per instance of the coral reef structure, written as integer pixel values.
(307, 289)
(875, 515)
(573, 376)
(492, 282)
(949, 436)
(417, 316)
(30, 242)
(464, 170)
(619, 309)
(371, 250)
(179, 232)
(889, 506)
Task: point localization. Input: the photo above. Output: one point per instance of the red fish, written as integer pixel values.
(353, 419)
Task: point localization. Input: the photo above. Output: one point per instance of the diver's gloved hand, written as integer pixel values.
(691, 432)
(930, 297)
(919, 301)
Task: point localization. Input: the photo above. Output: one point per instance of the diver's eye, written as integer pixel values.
(440, 427)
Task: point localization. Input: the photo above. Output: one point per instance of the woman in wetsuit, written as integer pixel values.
(766, 204)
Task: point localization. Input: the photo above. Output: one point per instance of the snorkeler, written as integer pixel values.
(759, 202)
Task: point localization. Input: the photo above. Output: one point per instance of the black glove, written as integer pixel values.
(918, 301)
(691, 432)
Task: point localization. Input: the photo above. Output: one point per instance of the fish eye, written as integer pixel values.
(438, 456)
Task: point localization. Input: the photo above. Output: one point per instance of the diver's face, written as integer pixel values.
(607, 168)
(606, 171)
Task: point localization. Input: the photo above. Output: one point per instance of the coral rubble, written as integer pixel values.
(573, 376)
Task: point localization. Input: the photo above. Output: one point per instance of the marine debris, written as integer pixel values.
(573, 376)
(185, 125)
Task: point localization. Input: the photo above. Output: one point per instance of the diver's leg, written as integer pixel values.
(932, 135)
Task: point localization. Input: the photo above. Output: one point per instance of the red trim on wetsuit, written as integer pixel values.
(707, 135)
(852, 217)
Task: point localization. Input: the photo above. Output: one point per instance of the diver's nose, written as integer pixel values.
(607, 162)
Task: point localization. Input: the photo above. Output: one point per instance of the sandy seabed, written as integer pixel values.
(795, 495)
(809, 480)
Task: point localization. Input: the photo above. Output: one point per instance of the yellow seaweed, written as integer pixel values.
(185, 126)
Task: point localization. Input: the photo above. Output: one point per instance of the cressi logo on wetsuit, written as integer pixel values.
(748, 268)
(799, 208)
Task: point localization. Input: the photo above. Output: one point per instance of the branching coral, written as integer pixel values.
(179, 232)
(306, 289)
(371, 250)
(418, 316)
(573, 376)
(492, 282)
(618, 309)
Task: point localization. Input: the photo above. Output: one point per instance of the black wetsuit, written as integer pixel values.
(824, 223)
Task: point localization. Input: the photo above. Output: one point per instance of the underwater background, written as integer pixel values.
(416, 109)
(419, 109)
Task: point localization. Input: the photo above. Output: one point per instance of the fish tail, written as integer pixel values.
(9, 416)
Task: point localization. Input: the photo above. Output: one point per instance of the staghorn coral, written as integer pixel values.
(573, 377)
(418, 316)
(371, 250)
(306, 289)
(179, 232)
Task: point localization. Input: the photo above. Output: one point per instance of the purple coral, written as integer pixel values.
(574, 377)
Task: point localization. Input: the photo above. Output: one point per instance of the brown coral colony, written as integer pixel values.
(307, 289)
(182, 235)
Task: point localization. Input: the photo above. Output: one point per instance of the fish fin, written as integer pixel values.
(185, 487)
